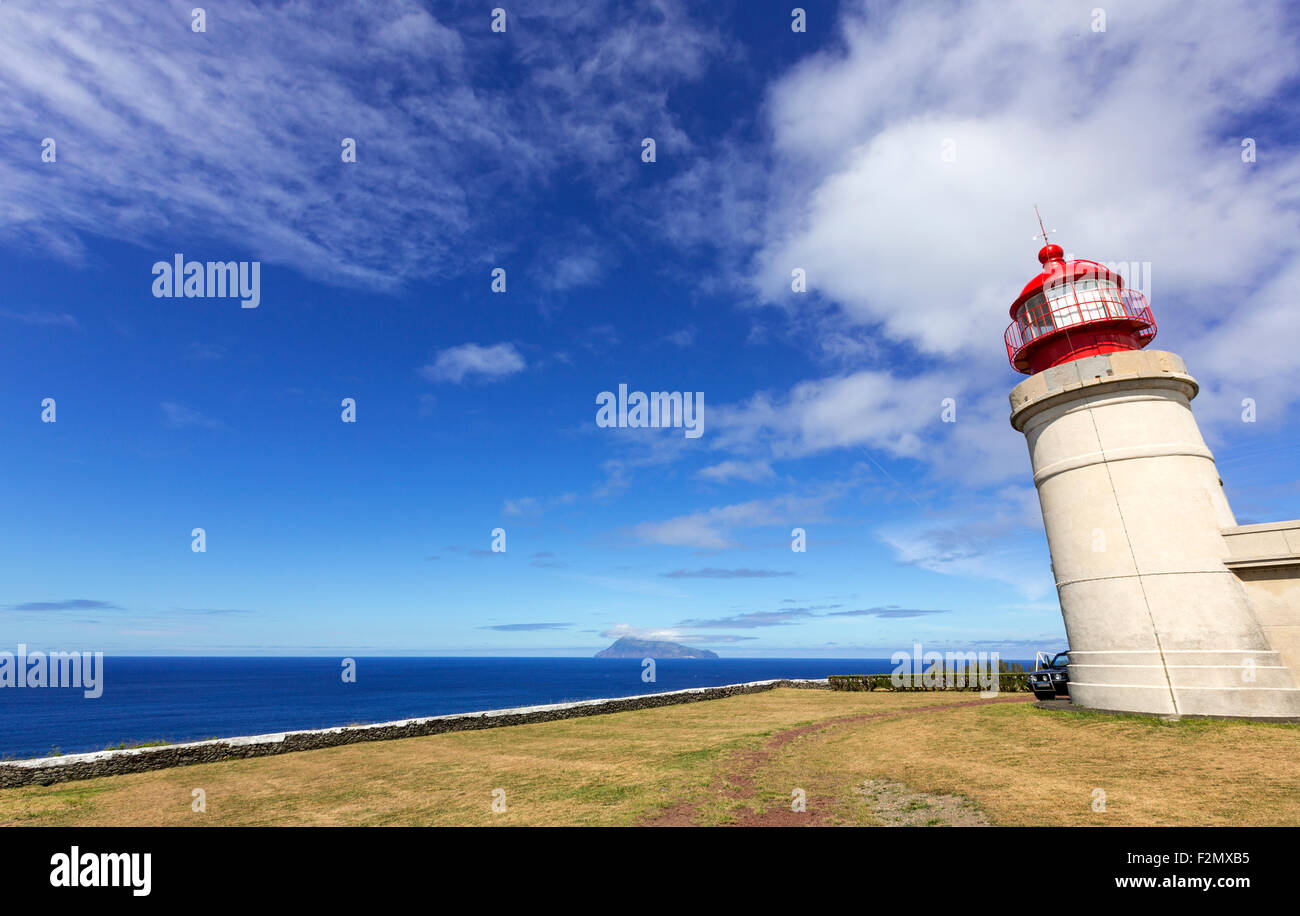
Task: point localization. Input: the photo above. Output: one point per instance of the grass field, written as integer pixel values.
(860, 758)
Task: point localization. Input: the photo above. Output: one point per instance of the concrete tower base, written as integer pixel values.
(1135, 514)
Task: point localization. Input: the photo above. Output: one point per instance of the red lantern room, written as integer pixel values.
(1074, 309)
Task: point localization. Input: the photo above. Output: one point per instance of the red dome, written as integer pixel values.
(1050, 252)
(1057, 270)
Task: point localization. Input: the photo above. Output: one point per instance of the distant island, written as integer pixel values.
(629, 647)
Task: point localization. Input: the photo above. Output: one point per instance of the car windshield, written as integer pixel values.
(1061, 660)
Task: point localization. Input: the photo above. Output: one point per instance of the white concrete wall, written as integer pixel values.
(1266, 558)
(1133, 509)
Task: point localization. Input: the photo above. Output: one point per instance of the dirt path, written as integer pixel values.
(895, 804)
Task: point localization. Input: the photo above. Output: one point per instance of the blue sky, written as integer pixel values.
(892, 153)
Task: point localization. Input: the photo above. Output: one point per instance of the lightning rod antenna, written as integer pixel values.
(1041, 227)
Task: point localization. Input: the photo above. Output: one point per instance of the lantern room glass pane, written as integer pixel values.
(1065, 304)
(1033, 318)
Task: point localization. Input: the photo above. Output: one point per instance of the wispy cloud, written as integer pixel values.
(751, 620)
(891, 611)
(712, 573)
(532, 507)
(205, 352)
(670, 634)
(42, 319)
(1002, 544)
(411, 86)
(571, 271)
(70, 604)
(179, 416)
(683, 337)
(473, 362)
(748, 471)
(712, 529)
(796, 615)
(867, 408)
(526, 627)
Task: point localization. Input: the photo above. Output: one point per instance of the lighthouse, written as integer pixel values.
(1170, 607)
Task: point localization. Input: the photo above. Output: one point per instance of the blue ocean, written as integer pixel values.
(190, 699)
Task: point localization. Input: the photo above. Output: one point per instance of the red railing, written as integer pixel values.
(1074, 309)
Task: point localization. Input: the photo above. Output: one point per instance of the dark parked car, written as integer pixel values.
(1051, 677)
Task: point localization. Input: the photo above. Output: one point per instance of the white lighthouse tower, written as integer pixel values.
(1157, 583)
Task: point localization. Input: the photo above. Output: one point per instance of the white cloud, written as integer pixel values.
(179, 416)
(867, 408)
(471, 361)
(620, 630)
(748, 471)
(665, 634)
(523, 506)
(1128, 139)
(684, 337)
(697, 530)
(978, 549)
(532, 507)
(712, 529)
(573, 271)
(42, 319)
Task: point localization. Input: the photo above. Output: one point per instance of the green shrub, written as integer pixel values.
(1008, 682)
